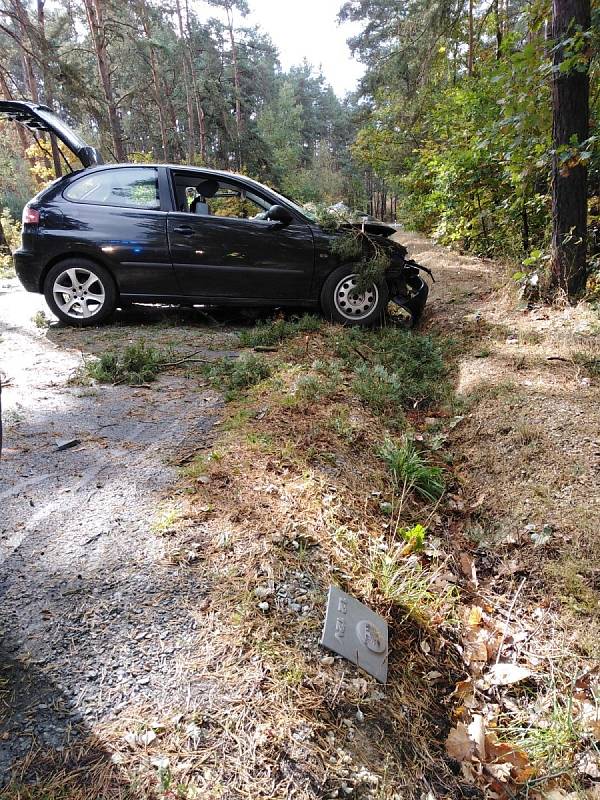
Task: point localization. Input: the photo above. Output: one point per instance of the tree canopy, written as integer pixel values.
(450, 130)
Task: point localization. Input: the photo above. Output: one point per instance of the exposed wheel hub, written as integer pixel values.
(350, 303)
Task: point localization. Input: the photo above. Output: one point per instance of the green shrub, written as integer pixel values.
(233, 376)
(11, 229)
(393, 369)
(138, 363)
(380, 390)
(411, 470)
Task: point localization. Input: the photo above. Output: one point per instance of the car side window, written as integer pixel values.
(234, 203)
(208, 196)
(132, 187)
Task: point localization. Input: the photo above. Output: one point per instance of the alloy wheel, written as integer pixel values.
(79, 293)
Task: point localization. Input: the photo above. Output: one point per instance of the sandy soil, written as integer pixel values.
(527, 452)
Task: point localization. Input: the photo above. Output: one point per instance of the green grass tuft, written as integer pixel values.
(268, 334)
(407, 584)
(411, 469)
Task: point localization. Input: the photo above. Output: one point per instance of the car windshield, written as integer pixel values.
(296, 206)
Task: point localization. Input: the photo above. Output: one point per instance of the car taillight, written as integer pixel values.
(31, 216)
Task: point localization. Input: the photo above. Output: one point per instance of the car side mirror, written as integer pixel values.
(280, 214)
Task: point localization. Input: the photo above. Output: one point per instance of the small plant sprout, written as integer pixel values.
(414, 538)
(40, 320)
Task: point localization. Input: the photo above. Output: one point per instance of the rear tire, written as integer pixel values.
(80, 292)
(343, 305)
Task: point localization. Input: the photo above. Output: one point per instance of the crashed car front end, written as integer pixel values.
(408, 289)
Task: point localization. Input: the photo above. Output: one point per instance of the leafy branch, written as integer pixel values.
(354, 244)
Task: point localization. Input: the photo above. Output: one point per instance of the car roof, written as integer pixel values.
(180, 167)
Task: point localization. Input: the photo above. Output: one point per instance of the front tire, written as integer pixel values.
(80, 292)
(342, 303)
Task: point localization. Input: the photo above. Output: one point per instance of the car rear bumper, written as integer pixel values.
(28, 269)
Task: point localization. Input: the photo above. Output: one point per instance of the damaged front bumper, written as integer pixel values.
(408, 289)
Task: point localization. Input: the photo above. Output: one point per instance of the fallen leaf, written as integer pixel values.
(467, 567)
(479, 501)
(463, 688)
(139, 739)
(476, 731)
(505, 674)
(589, 764)
(504, 752)
(588, 715)
(501, 772)
(458, 744)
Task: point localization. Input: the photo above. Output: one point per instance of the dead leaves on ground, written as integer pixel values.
(501, 670)
(485, 760)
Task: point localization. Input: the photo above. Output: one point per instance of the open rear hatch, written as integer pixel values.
(40, 118)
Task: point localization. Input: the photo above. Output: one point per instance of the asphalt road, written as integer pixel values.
(93, 617)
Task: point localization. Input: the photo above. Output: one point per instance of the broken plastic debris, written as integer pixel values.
(66, 444)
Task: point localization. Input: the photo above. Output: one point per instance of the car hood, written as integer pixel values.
(373, 228)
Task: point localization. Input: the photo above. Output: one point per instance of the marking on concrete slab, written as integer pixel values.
(355, 632)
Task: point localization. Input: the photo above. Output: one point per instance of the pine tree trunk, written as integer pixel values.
(156, 82)
(25, 26)
(570, 104)
(199, 109)
(47, 80)
(187, 79)
(95, 17)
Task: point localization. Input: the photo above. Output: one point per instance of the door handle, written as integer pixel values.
(184, 230)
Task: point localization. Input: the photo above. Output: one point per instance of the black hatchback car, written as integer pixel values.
(109, 235)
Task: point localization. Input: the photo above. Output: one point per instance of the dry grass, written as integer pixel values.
(293, 498)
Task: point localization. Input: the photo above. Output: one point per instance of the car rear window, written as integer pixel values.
(135, 187)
